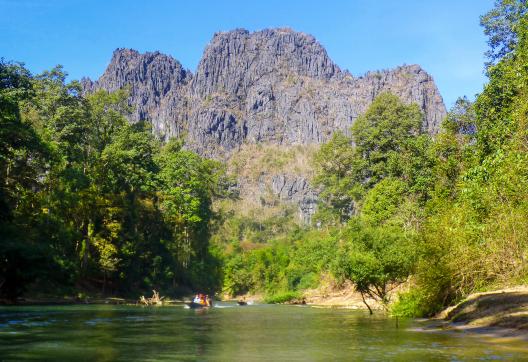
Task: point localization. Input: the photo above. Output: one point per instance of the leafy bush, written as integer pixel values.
(375, 259)
(283, 297)
(414, 303)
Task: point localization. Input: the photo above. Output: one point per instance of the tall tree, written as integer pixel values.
(387, 141)
(501, 25)
(22, 165)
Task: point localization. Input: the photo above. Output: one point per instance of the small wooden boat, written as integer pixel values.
(194, 305)
(241, 302)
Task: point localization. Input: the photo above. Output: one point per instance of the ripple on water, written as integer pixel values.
(36, 323)
(15, 321)
(11, 333)
(256, 333)
(96, 321)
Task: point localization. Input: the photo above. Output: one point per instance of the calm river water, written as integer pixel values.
(231, 333)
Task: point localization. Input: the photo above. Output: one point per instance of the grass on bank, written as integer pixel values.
(283, 297)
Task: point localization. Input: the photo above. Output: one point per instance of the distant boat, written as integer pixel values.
(194, 305)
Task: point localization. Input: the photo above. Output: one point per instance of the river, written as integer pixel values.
(231, 333)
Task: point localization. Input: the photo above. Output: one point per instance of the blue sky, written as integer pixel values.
(443, 36)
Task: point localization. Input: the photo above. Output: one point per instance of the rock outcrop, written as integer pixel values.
(295, 189)
(275, 86)
(156, 83)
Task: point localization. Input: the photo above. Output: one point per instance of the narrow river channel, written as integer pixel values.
(231, 333)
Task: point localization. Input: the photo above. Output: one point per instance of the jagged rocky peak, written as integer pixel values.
(274, 86)
(235, 60)
(129, 67)
(150, 77)
(413, 85)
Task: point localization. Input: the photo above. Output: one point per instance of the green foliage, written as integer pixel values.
(414, 303)
(447, 210)
(293, 264)
(387, 142)
(461, 119)
(383, 136)
(379, 180)
(336, 163)
(501, 108)
(474, 238)
(453, 150)
(248, 225)
(375, 259)
(238, 279)
(284, 297)
(188, 184)
(22, 160)
(384, 200)
(501, 25)
(88, 199)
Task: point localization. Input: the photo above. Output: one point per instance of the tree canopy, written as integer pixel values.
(89, 199)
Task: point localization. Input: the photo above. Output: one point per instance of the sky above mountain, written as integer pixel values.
(444, 37)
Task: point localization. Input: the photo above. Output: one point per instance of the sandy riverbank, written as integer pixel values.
(326, 296)
(344, 297)
(501, 313)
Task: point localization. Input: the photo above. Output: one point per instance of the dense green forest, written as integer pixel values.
(89, 202)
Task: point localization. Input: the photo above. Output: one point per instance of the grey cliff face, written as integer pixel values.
(236, 61)
(275, 86)
(413, 85)
(156, 83)
(296, 189)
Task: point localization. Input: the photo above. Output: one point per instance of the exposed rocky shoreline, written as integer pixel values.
(499, 313)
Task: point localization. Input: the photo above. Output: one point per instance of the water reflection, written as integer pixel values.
(230, 333)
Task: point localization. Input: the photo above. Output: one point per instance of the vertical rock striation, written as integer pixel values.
(156, 83)
(274, 86)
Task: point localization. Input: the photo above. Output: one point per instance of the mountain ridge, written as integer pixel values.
(273, 86)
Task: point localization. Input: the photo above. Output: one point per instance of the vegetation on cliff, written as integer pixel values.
(444, 214)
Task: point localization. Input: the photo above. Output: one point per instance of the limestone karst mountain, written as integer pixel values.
(274, 86)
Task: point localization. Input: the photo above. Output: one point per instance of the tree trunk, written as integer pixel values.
(365, 302)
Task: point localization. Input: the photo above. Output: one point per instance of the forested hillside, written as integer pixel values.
(90, 202)
(443, 215)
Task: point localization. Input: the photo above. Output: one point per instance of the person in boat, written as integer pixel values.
(242, 301)
(202, 300)
(197, 299)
